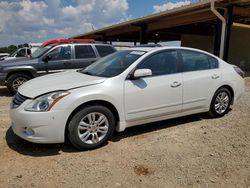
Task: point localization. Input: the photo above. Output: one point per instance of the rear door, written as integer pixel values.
(201, 77)
(84, 55)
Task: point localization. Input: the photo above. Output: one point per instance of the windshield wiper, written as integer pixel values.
(85, 72)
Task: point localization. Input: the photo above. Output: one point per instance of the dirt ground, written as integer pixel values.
(193, 151)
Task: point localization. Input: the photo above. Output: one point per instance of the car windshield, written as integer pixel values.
(40, 51)
(14, 54)
(113, 64)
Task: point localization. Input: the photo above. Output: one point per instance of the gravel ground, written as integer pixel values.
(193, 151)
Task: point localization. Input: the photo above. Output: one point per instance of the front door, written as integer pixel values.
(60, 59)
(157, 95)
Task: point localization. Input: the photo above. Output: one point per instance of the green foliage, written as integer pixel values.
(10, 49)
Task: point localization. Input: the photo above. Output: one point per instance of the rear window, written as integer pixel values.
(104, 50)
(195, 61)
(84, 51)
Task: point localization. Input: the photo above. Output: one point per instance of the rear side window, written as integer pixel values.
(104, 50)
(162, 63)
(84, 51)
(195, 61)
(214, 64)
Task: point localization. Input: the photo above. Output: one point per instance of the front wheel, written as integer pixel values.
(91, 127)
(220, 103)
(16, 80)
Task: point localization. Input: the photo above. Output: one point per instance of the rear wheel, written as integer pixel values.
(91, 127)
(16, 80)
(220, 103)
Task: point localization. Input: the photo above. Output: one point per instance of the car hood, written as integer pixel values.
(16, 61)
(58, 81)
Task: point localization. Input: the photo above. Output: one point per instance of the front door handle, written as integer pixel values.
(175, 84)
(215, 76)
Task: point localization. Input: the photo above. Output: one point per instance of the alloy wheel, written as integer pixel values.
(18, 82)
(221, 102)
(93, 127)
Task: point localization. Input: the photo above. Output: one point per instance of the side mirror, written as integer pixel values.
(46, 58)
(139, 73)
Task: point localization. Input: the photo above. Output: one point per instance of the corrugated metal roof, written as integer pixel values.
(178, 17)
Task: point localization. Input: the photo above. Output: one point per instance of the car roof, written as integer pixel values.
(60, 41)
(155, 49)
(76, 43)
(145, 49)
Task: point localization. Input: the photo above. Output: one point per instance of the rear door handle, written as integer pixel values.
(215, 76)
(175, 84)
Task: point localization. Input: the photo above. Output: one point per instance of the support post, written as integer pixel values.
(228, 32)
(223, 29)
(217, 36)
(143, 34)
(104, 39)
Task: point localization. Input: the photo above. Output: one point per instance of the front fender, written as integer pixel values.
(30, 69)
(98, 92)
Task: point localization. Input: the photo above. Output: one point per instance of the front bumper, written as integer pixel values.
(39, 127)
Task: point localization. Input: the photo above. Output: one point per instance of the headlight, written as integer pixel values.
(45, 102)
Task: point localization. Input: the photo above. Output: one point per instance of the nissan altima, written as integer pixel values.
(127, 88)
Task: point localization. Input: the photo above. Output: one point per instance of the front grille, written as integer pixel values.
(17, 100)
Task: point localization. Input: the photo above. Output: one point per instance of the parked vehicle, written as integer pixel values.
(124, 89)
(21, 52)
(2, 55)
(34, 47)
(50, 59)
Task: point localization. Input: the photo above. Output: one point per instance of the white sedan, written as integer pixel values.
(127, 88)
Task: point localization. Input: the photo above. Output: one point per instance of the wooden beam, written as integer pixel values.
(186, 20)
(241, 11)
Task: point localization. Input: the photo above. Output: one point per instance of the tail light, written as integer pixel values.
(239, 71)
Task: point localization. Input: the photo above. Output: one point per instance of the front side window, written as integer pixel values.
(113, 64)
(21, 53)
(84, 51)
(195, 61)
(104, 50)
(162, 63)
(60, 53)
(40, 51)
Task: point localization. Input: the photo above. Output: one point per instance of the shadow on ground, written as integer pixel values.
(4, 92)
(39, 150)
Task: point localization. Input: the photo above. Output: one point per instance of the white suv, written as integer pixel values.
(124, 89)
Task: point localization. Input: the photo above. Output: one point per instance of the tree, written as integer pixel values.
(10, 49)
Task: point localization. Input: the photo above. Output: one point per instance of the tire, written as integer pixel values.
(220, 103)
(15, 80)
(85, 135)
